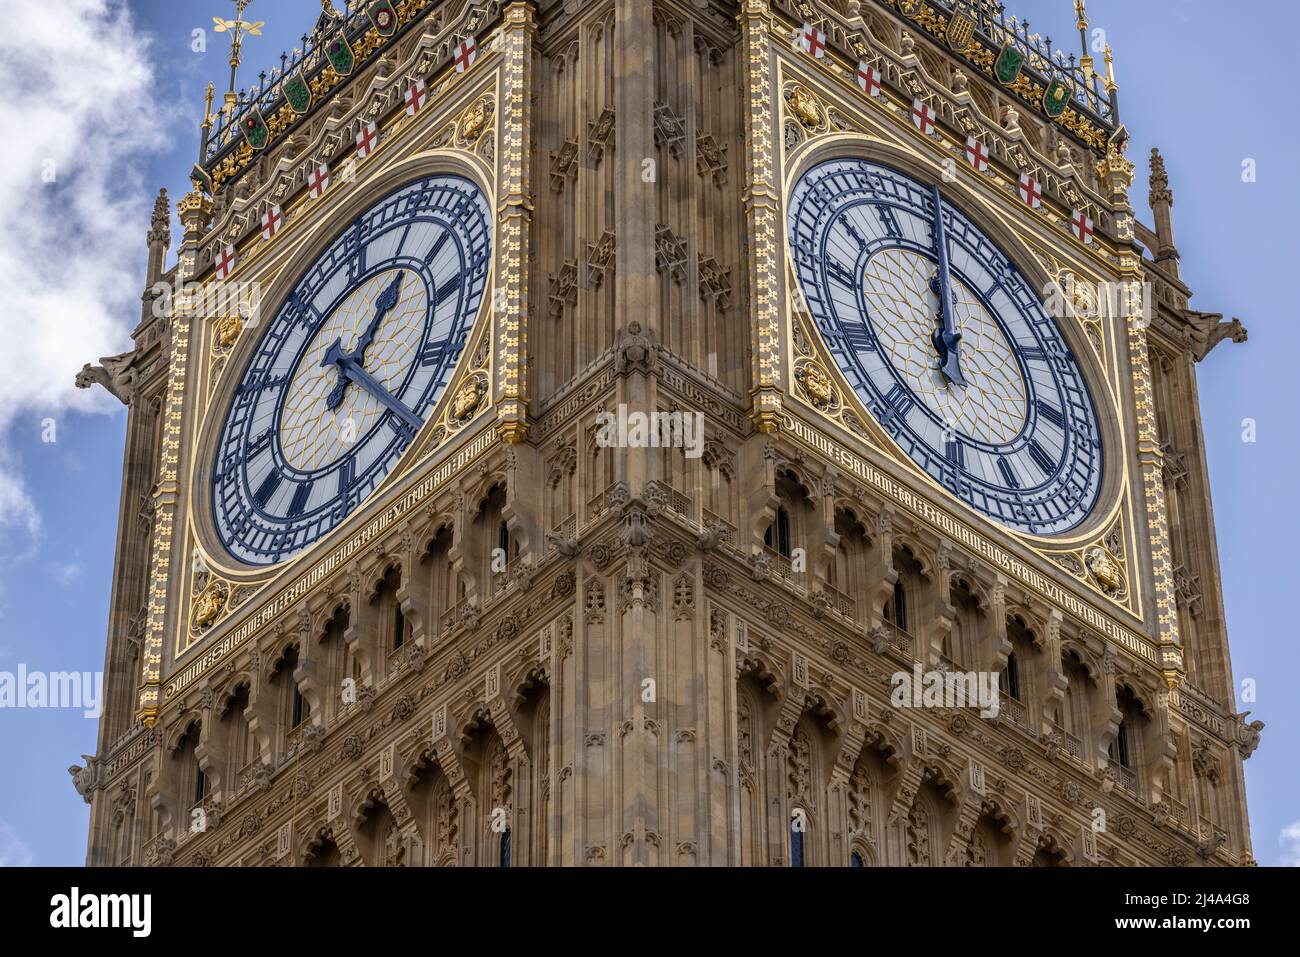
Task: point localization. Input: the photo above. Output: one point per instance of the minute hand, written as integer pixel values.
(349, 368)
(946, 338)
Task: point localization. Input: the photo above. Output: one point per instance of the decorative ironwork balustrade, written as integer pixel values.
(268, 96)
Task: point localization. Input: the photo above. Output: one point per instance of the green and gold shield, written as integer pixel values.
(1007, 66)
(297, 92)
(255, 131)
(339, 53)
(1055, 97)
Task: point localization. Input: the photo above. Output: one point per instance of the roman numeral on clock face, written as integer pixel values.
(1008, 473)
(436, 247)
(299, 503)
(856, 338)
(259, 444)
(1051, 413)
(840, 273)
(447, 289)
(432, 353)
(347, 475)
(898, 402)
(267, 489)
(1041, 458)
(889, 220)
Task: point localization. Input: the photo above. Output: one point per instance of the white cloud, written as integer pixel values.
(16, 507)
(13, 852)
(65, 573)
(1289, 839)
(78, 107)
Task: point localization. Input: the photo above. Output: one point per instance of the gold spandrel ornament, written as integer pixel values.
(209, 605)
(816, 385)
(468, 398)
(805, 107)
(228, 330)
(473, 121)
(1101, 565)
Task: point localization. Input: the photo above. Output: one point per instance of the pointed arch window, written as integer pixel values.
(1119, 750)
(505, 848)
(896, 607)
(798, 825)
(1011, 677)
(777, 537)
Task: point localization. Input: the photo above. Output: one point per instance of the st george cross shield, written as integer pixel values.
(961, 29)
(383, 16)
(1007, 66)
(297, 92)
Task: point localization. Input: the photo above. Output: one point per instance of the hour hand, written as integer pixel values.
(350, 369)
(946, 339)
(383, 305)
(334, 356)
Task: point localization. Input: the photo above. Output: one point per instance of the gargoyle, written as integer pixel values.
(114, 375)
(1208, 329)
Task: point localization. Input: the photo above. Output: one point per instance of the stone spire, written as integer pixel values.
(159, 237)
(1161, 201)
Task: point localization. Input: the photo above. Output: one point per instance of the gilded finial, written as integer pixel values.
(207, 106)
(237, 28)
(1081, 21)
(1111, 85)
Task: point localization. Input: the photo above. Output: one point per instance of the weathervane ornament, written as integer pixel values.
(237, 28)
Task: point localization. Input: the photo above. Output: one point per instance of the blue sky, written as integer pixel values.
(1195, 80)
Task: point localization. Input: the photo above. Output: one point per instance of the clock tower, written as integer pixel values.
(666, 433)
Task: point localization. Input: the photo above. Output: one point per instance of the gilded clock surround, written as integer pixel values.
(658, 565)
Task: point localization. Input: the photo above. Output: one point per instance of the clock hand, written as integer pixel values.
(946, 338)
(386, 301)
(350, 370)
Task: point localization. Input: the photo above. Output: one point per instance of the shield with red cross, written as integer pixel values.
(367, 140)
(318, 181)
(415, 97)
(1031, 193)
(466, 54)
(272, 220)
(813, 41)
(868, 79)
(1081, 226)
(224, 264)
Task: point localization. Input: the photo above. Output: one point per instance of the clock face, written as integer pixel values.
(350, 367)
(1014, 432)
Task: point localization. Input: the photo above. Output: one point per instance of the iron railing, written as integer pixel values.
(268, 94)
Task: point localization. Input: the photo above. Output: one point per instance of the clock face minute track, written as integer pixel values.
(350, 368)
(944, 341)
